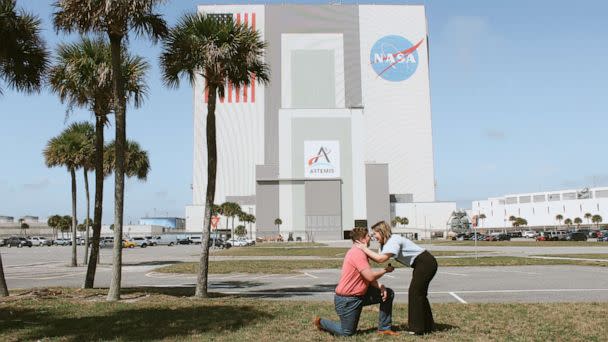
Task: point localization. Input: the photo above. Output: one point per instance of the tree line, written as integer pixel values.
(98, 73)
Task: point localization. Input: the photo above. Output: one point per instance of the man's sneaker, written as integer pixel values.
(317, 323)
(388, 332)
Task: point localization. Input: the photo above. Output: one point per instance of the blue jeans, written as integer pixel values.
(349, 310)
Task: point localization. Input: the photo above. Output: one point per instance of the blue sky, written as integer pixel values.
(518, 94)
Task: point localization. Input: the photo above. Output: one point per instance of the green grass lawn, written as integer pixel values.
(323, 252)
(527, 243)
(581, 256)
(292, 266)
(171, 315)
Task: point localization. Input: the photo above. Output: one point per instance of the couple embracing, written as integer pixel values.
(359, 286)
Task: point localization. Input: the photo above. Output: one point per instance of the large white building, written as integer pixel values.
(540, 209)
(344, 123)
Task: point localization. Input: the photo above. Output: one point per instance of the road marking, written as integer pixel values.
(230, 277)
(295, 276)
(272, 291)
(310, 275)
(388, 276)
(458, 298)
(262, 277)
(455, 274)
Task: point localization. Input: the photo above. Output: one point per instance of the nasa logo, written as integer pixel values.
(394, 58)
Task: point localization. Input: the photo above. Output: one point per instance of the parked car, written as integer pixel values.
(184, 241)
(576, 236)
(19, 242)
(62, 242)
(151, 240)
(197, 240)
(503, 237)
(515, 234)
(107, 241)
(140, 242)
(593, 233)
(238, 242)
(128, 243)
(220, 243)
(168, 240)
(602, 239)
(2, 242)
(529, 234)
(40, 241)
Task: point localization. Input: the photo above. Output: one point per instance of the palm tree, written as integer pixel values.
(116, 18)
(230, 210)
(23, 55)
(568, 222)
(396, 220)
(278, 222)
(23, 60)
(54, 222)
(70, 149)
(221, 52)
(597, 219)
(559, 218)
(137, 162)
(482, 217)
(82, 77)
(251, 220)
(65, 223)
(405, 221)
(578, 221)
(588, 216)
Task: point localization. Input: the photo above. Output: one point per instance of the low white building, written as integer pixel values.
(541, 208)
(426, 219)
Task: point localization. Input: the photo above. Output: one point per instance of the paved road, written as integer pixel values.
(46, 266)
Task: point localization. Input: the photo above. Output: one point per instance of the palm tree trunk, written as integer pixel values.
(97, 211)
(86, 240)
(227, 223)
(232, 229)
(3, 288)
(73, 174)
(119, 172)
(201, 281)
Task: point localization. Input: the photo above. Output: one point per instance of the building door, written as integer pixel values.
(323, 209)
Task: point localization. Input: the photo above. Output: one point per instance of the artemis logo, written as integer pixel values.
(322, 159)
(323, 153)
(394, 58)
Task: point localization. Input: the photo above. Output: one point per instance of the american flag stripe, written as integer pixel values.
(234, 94)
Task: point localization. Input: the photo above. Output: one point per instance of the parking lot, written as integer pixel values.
(47, 266)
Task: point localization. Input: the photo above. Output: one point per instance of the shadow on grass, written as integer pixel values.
(123, 322)
(290, 291)
(439, 327)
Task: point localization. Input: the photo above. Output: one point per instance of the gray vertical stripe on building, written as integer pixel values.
(377, 193)
(281, 19)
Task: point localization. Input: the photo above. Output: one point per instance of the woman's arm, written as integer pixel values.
(379, 258)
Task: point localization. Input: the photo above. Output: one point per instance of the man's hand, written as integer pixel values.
(383, 292)
(389, 268)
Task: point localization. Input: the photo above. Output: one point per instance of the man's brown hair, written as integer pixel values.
(358, 233)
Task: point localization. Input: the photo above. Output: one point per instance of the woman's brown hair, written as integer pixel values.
(384, 229)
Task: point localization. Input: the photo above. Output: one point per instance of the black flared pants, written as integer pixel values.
(420, 316)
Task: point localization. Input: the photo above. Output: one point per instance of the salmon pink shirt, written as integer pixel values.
(351, 281)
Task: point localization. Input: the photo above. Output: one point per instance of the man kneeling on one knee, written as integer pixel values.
(358, 287)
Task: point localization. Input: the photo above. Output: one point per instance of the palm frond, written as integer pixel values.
(23, 54)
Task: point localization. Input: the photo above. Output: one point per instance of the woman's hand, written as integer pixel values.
(360, 245)
(389, 268)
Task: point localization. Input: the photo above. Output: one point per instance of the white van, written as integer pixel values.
(168, 240)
